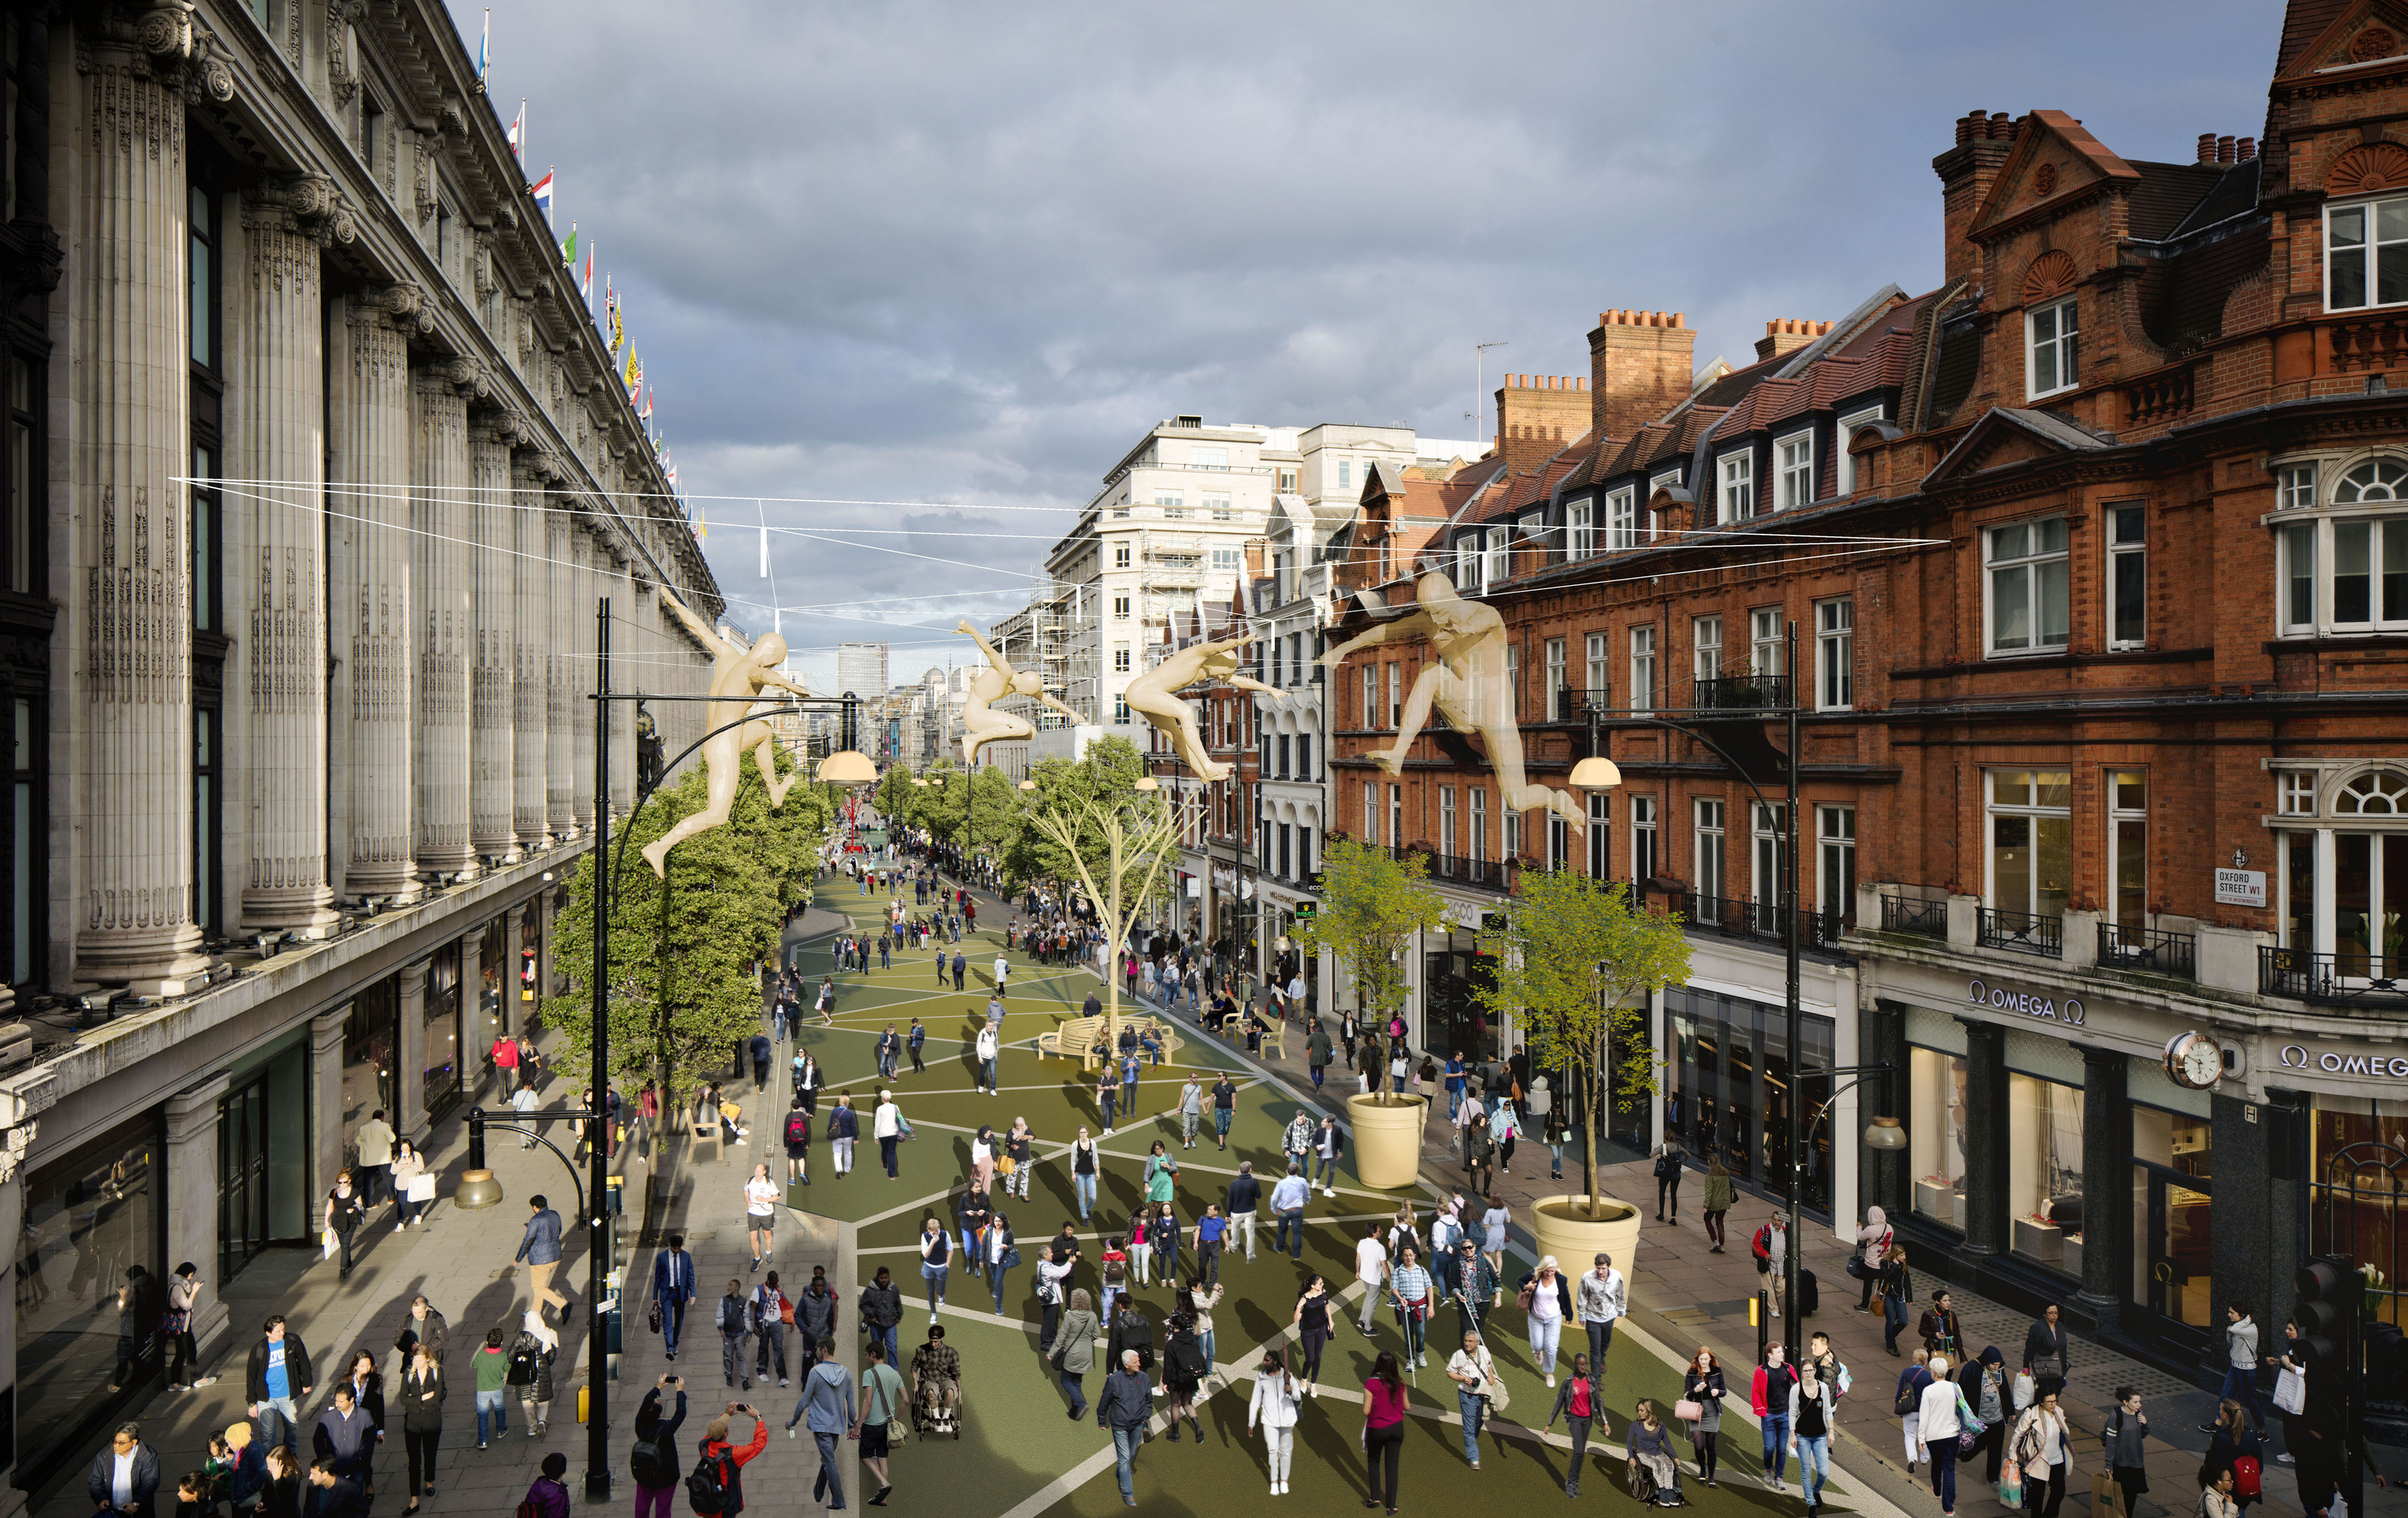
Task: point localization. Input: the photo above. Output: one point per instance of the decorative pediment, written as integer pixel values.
(2366, 167)
(2053, 160)
(2371, 32)
(2009, 436)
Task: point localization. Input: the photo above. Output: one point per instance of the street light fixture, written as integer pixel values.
(848, 767)
(1596, 773)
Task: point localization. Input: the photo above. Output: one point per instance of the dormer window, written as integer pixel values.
(1738, 486)
(1579, 529)
(1796, 457)
(2366, 254)
(2051, 336)
(1622, 519)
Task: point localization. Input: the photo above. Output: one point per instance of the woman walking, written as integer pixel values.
(1020, 1148)
(1184, 1369)
(1703, 1385)
(799, 1141)
(1113, 1272)
(1720, 1194)
(1140, 1248)
(1201, 1300)
(1984, 1385)
(2041, 1445)
(2235, 1441)
(343, 1215)
(1895, 1289)
(2124, 1446)
(421, 1419)
(1108, 1095)
(1164, 1234)
(1383, 1428)
(1873, 1242)
(1546, 1299)
(1479, 1154)
(1083, 1172)
(1580, 1402)
(1494, 1222)
(1311, 1321)
(2044, 1353)
(1277, 1403)
(539, 1340)
(1074, 1350)
(1002, 1254)
(408, 1167)
(936, 1259)
(1944, 1417)
(1911, 1383)
(983, 1147)
(183, 1299)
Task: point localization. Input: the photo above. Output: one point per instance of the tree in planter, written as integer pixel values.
(1573, 954)
(1371, 908)
(1119, 854)
(683, 950)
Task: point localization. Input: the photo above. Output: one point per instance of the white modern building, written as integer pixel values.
(861, 669)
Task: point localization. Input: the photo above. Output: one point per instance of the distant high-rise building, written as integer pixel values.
(861, 668)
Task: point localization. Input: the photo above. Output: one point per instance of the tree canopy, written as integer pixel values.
(1373, 905)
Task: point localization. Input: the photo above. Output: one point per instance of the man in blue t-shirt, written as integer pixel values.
(278, 1378)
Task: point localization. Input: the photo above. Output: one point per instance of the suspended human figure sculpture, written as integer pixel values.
(981, 724)
(1469, 685)
(738, 676)
(1155, 693)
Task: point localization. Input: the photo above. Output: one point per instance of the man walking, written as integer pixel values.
(1225, 1109)
(961, 970)
(1125, 1408)
(761, 1050)
(541, 1249)
(1316, 1051)
(827, 1404)
(1296, 1142)
(1191, 1110)
(919, 1036)
(672, 1290)
(276, 1380)
(1371, 1269)
(375, 1138)
(1245, 1200)
(1600, 1300)
(734, 1320)
(1287, 1205)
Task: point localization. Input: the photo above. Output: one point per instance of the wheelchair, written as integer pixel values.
(932, 1415)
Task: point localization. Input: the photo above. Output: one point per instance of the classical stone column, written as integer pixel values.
(2106, 1187)
(1985, 1137)
(584, 672)
(628, 646)
(493, 762)
(327, 1098)
(278, 395)
(442, 581)
(410, 1054)
(131, 378)
(531, 635)
(193, 1200)
(560, 718)
(513, 1010)
(372, 537)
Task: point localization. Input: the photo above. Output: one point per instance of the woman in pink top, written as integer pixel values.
(1384, 1427)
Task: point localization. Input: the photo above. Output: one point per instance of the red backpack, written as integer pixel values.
(2245, 1473)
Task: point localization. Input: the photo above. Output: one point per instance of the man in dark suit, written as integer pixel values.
(672, 1290)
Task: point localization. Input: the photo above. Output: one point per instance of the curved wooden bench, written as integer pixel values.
(1080, 1038)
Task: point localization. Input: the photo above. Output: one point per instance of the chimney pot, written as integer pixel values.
(2003, 126)
(2246, 149)
(2207, 147)
(1964, 130)
(2223, 149)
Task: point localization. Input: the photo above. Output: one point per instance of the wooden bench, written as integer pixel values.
(1275, 1041)
(1081, 1037)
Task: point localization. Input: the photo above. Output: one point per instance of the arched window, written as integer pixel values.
(2376, 479)
(2378, 793)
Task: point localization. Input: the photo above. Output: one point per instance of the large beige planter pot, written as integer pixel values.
(1564, 1230)
(1387, 1139)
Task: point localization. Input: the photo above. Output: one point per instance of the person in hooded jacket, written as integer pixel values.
(1872, 1243)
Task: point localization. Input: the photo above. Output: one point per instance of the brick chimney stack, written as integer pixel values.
(1639, 366)
(1787, 336)
(1966, 171)
(1537, 414)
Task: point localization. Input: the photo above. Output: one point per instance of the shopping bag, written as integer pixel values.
(328, 1240)
(2010, 1484)
(2023, 1390)
(2106, 1497)
(421, 1187)
(2291, 1391)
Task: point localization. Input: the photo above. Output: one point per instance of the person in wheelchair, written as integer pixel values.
(937, 1375)
(1655, 1468)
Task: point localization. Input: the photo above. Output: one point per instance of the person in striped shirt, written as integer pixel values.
(1409, 1287)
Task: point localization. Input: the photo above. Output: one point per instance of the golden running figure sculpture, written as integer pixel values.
(981, 724)
(1468, 686)
(1156, 693)
(738, 676)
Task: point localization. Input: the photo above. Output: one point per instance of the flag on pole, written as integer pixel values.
(518, 133)
(635, 375)
(484, 50)
(647, 412)
(568, 250)
(585, 283)
(618, 333)
(541, 191)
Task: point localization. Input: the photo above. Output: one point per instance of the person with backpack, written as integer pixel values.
(844, 1130)
(492, 1363)
(547, 1496)
(1909, 1406)
(715, 1487)
(734, 1321)
(531, 1357)
(827, 1403)
(882, 1405)
(1873, 1242)
(1184, 1369)
(653, 1459)
(799, 1142)
(1131, 1330)
(770, 1313)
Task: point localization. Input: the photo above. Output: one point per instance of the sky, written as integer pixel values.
(950, 262)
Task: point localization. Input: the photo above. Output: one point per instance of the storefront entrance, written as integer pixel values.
(1727, 1087)
(2173, 1257)
(263, 1160)
(1452, 1020)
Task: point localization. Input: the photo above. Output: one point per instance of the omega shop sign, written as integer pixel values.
(2066, 1009)
(2332, 1061)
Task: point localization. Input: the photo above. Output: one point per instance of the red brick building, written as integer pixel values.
(2096, 558)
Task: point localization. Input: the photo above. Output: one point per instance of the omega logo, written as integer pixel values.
(2296, 1058)
(2069, 1011)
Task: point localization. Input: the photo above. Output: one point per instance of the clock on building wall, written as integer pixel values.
(2194, 1060)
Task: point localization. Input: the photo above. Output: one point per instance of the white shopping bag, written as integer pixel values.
(2291, 1391)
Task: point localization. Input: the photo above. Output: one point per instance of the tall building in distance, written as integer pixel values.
(861, 668)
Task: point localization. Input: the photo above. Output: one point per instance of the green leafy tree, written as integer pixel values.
(1106, 778)
(1373, 905)
(684, 953)
(897, 798)
(1573, 955)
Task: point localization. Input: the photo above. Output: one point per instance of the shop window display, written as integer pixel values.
(2358, 1180)
(2171, 1219)
(1936, 1136)
(2044, 1170)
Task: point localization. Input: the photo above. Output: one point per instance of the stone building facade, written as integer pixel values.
(2080, 567)
(315, 474)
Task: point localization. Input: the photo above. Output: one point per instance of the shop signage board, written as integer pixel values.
(2240, 888)
(2004, 999)
(2343, 1062)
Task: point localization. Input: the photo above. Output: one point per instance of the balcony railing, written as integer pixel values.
(2150, 949)
(1906, 915)
(1741, 918)
(1741, 693)
(1480, 874)
(2022, 932)
(2353, 980)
